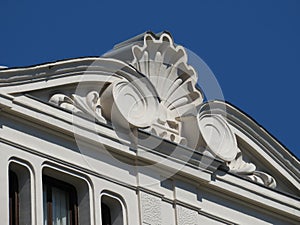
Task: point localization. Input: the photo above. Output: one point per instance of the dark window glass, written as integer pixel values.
(59, 202)
(106, 217)
(111, 210)
(13, 199)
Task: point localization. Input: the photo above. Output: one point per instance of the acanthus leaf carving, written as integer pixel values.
(88, 105)
(249, 171)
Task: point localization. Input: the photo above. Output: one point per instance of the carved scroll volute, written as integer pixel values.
(217, 137)
(127, 106)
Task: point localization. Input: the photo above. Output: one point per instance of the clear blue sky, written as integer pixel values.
(253, 47)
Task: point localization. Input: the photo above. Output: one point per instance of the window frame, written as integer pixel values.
(121, 204)
(51, 182)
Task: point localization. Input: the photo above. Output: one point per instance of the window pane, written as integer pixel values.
(106, 217)
(60, 207)
(13, 199)
(60, 202)
(45, 204)
(112, 210)
(19, 195)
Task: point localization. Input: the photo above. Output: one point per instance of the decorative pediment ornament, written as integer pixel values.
(248, 171)
(84, 106)
(166, 67)
(221, 142)
(122, 103)
(163, 100)
(218, 136)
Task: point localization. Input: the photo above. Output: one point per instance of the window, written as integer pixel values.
(19, 193)
(59, 202)
(112, 210)
(13, 199)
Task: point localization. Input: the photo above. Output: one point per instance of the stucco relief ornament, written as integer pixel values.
(127, 106)
(165, 65)
(221, 142)
(162, 98)
(87, 106)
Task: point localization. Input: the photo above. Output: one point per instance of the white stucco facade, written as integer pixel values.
(133, 127)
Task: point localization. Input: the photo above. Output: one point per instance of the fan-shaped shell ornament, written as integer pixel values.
(165, 65)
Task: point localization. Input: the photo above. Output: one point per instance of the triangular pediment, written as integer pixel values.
(148, 85)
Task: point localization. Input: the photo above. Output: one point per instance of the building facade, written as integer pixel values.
(128, 139)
